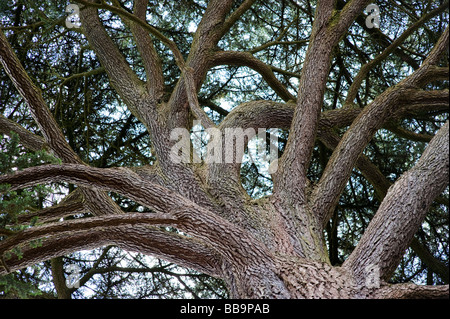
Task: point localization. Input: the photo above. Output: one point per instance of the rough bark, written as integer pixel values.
(402, 211)
(268, 248)
(356, 138)
(100, 203)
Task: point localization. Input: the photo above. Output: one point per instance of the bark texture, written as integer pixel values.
(268, 248)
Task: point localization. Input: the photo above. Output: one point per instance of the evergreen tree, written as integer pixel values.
(106, 95)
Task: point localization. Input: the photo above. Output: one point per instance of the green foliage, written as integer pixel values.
(104, 133)
(14, 157)
(12, 286)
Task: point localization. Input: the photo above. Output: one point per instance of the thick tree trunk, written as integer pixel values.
(268, 248)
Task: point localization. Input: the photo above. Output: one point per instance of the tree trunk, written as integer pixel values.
(268, 248)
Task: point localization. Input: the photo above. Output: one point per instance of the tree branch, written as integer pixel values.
(248, 60)
(208, 34)
(33, 96)
(402, 211)
(365, 69)
(422, 101)
(412, 291)
(152, 63)
(343, 159)
(270, 114)
(412, 136)
(349, 13)
(27, 139)
(121, 76)
(47, 124)
(234, 17)
(435, 265)
(191, 91)
(140, 22)
(382, 39)
(225, 237)
(370, 171)
(72, 204)
(110, 179)
(381, 185)
(85, 224)
(183, 251)
(328, 28)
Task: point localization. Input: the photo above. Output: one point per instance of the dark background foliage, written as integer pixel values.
(103, 132)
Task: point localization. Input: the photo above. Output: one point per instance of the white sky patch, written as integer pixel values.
(192, 28)
(295, 83)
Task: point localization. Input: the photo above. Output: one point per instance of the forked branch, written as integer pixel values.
(97, 202)
(182, 250)
(402, 211)
(38, 107)
(27, 138)
(328, 28)
(372, 118)
(225, 237)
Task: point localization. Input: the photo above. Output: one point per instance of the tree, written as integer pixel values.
(198, 213)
